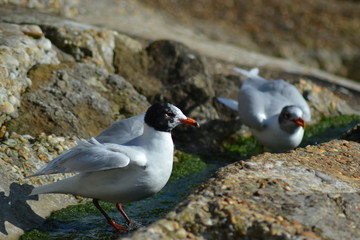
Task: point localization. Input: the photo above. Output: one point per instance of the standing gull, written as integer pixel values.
(274, 111)
(129, 161)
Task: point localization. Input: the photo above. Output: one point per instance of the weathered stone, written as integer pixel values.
(305, 206)
(18, 53)
(85, 45)
(67, 8)
(167, 71)
(183, 76)
(20, 158)
(353, 134)
(75, 99)
(322, 101)
(84, 42)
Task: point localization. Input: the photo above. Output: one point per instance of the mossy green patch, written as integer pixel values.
(329, 128)
(79, 210)
(34, 234)
(186, 165)
(244, 147)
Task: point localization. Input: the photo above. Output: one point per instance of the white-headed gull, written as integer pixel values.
(129, 161)
(275, 111)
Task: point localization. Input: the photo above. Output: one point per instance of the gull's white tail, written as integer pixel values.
(229, 103)
(57, 187)
(252, 75)
(254, 72)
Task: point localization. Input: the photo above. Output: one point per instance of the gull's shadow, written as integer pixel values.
(15, 210)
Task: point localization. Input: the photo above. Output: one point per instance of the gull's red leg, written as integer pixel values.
(110, 221)
(121, 210)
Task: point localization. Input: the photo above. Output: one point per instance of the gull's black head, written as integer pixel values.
(165, 117)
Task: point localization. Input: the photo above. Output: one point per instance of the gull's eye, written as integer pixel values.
(170, 114)
(287, 115)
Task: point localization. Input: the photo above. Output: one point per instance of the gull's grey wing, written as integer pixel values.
(89, 156)
(252, 107)
(123, 131)
(284, 94)
(229, 103)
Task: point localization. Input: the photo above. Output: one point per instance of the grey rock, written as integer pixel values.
(85, 45)
(352, 134)
(152, 24)
(75, 99)
(167, 71)
(19, 52)
(22, 157)
(271, 196)
(66, 8)
(84, 42)
(182, 73)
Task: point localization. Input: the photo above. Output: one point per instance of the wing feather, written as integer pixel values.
(251, 110)
(89, 156)
(123, 131)
(229, 103)
(280, 94)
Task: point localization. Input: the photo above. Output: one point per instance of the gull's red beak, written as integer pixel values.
(190, 122)
(299, 122)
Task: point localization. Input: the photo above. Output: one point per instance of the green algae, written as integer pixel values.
(186, 165)
(329, 128)
(244, 146)
(34, 234)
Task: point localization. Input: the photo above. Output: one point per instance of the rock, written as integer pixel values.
(18, 53)
(75, 99)
(131, 62)
(85, 43)
(353, 134)
(272, 196)
(167, 71)
(183, 76)
(20, 156)
(217, 34)
(322, 101)
(67, 8)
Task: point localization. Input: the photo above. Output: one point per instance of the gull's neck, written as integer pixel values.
(155, 137)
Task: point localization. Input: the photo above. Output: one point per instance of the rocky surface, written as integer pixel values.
(218, 29)
(309, 193)
(62, 78)
(290, 30)
(19, 52)
(20, 155)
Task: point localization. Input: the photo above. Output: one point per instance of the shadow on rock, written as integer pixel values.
(15, 210)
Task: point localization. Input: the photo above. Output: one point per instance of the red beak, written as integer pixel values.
(299, 122)
(190, 122)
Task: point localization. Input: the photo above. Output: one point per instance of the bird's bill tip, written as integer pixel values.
(300, 122)
(190, 121)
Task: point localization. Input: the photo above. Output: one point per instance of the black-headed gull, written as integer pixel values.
(275, 111)
(129, 161)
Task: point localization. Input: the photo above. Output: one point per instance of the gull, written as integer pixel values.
(129, 161)
(275, 111)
